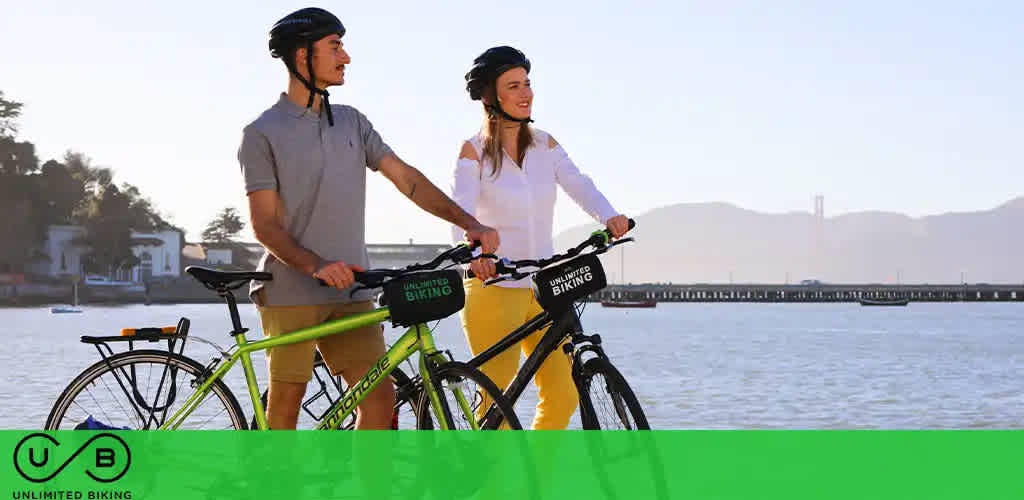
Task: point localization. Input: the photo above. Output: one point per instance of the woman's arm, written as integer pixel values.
(579, 186)
(465, 186)
(466, 193)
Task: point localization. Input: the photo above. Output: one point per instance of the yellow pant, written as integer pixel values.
(493, 312)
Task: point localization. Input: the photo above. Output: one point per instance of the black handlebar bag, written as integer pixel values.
(557, 288)
(426, 296)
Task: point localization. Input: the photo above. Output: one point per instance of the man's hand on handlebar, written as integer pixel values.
(337, 274)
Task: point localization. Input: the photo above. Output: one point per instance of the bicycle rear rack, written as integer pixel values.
(175, 338)
(171, 334)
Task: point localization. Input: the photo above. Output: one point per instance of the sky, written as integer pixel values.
(897, 106)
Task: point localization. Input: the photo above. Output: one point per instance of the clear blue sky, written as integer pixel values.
(913, 107)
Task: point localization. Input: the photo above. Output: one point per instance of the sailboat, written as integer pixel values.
(68, 309)
(623, 302)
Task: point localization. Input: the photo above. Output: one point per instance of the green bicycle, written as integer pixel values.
(164, 389)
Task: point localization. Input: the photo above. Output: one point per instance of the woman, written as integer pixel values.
(507, 177)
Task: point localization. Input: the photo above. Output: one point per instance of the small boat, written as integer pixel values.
(884, 302)
(629, 303)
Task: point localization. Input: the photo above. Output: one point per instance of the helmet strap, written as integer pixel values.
(312, 88)
(497, 109)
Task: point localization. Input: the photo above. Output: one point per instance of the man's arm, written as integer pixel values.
(415, 186)
(265, 214)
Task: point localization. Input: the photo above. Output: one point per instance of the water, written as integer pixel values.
(704, 366)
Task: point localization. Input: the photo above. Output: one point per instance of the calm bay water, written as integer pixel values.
(704, 366)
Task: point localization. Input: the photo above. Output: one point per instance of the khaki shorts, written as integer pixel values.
(294, 362)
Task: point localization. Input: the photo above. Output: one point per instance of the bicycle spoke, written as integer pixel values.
(213, 417)
(127, 394)
(149, 379)
(156, 399)
(115, 399)
(608, 408)
(92, 393)
(87, 413)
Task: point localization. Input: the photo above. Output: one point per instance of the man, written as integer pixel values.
(304, 163)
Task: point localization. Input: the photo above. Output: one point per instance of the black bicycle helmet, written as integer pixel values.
(487, 67)
(303, 28)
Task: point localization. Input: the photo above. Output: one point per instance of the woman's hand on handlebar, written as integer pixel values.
(483, 268)
(618, 226)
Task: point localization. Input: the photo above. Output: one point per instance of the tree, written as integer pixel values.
(62, 195)
(16, 158)
(71, 191)
(144, 216)
(225, 227)
(93, 179)
(23, 228)
(108, 230)
(9, 113)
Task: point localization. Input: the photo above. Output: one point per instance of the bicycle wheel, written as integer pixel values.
(329, 390)
(606, 400)
(454, 378)
(140, 390)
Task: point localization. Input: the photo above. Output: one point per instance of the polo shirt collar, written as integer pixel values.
(294, 110)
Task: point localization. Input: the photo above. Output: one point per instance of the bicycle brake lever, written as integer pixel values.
(494, 280)
(514, 277)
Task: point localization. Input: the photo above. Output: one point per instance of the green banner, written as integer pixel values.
(497, 465)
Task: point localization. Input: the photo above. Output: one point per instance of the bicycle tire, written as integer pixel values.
(406, 392)
(455, 371)
(125, 359)
(622, 398)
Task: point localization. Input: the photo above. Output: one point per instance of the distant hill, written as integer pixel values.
(704, 242)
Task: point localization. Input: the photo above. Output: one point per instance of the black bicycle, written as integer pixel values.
(559, 282)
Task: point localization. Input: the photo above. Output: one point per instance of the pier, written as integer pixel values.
(811, 293)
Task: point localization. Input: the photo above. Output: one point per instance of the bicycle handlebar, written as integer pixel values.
(601, 240)
(375, 278)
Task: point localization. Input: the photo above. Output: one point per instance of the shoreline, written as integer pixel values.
(187, 291)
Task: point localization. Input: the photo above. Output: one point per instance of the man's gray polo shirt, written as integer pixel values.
(319, 173)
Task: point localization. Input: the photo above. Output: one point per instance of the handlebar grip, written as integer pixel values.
(501, 268)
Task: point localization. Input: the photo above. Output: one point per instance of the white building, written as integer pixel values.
(159, 254)
(64, 255)
(218, 256)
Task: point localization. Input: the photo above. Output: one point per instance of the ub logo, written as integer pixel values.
(105, 457)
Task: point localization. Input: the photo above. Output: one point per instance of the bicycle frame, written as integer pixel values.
(418, 338)
(565, 324)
